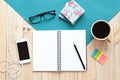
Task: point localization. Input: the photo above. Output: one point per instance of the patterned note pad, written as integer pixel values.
(71, 12)
(99, 56)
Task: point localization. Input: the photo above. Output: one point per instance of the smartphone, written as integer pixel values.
(23, 51)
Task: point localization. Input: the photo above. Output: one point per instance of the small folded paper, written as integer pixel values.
(71, 12)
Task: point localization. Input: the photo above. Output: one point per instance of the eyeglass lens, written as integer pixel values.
(49, 16)
(36, 19)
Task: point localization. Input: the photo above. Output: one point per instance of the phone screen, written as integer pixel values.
(23, 50)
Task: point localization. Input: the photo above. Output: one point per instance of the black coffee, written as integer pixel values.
(101, 29)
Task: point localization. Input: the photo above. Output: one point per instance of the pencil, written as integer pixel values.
(79, 56)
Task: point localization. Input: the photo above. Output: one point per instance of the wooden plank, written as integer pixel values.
(50, 76)
(116, 35)
(2, 36)
(12, 55)
(117, 47)
(68, 76)
(117, 61)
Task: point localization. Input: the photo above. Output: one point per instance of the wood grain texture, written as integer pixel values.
(3, 39)
(12, 29)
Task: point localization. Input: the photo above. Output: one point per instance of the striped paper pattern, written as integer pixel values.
(99, 56)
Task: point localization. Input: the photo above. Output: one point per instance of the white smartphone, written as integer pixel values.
(23, 51)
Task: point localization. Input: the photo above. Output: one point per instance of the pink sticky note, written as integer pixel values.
(102, 59)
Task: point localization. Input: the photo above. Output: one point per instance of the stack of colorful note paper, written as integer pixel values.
(99, 56)
(71, 12)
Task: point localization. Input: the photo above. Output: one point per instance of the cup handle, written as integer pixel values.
(108, 40)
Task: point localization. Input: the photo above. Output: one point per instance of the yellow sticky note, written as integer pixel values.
(99, 56)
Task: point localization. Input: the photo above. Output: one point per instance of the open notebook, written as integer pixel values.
(54, 50)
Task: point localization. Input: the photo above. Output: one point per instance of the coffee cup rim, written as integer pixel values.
(95, 36)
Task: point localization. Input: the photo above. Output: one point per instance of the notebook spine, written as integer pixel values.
(59, 50)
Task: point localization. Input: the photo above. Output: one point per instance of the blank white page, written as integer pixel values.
(44, 50)
(69, 58)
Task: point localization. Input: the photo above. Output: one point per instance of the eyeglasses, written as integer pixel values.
(46, 15)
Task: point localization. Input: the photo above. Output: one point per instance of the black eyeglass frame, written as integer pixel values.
(41, 15)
